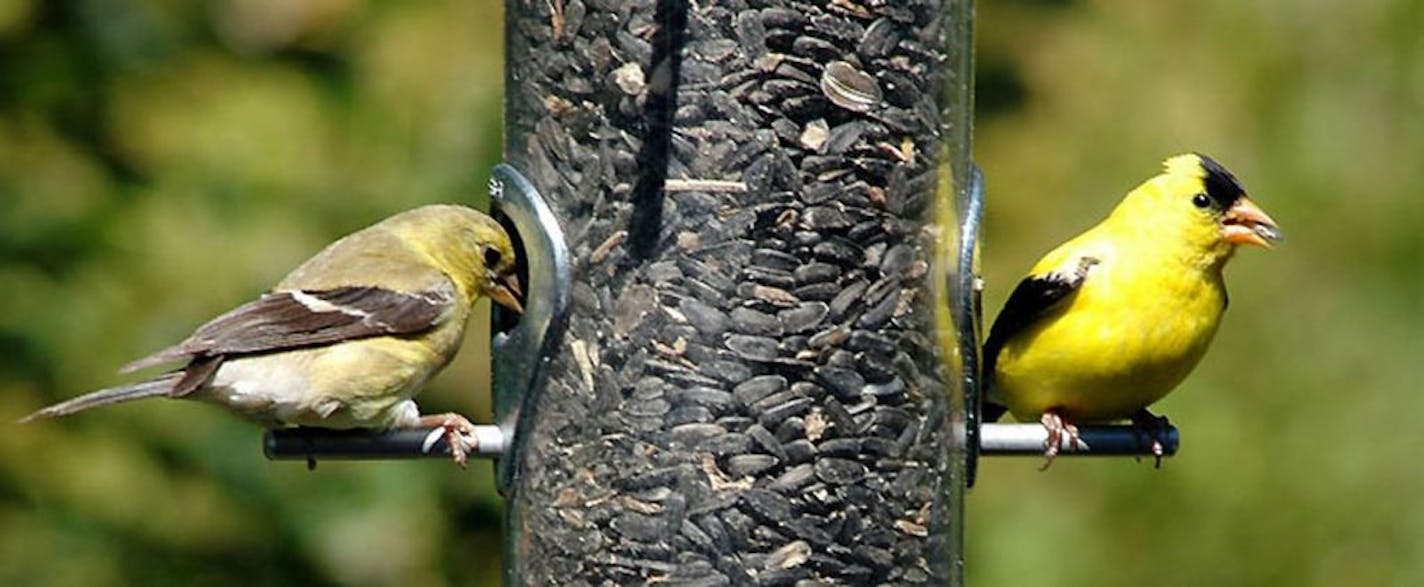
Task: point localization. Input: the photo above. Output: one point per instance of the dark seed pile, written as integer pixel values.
(748, 391)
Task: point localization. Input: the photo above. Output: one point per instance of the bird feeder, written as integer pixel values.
(750, 347)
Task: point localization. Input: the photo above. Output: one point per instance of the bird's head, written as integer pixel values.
(1199, 201)
(471, 248)
(496, 251)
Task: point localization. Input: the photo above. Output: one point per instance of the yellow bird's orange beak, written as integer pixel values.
(505, 292)
(1247, 224)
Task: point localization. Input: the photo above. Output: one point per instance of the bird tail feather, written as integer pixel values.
(156, 387)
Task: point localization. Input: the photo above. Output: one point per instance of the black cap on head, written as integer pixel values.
(1221, 186)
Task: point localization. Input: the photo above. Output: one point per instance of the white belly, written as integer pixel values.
(267, 389)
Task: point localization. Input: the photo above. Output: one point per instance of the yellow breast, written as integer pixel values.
(1126, 338)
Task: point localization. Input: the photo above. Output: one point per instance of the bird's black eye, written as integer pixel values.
(1201, 201)
(492, 257)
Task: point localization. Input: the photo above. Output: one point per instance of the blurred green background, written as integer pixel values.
(163, 161)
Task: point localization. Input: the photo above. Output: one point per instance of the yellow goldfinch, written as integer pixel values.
(1110, 321)
(348, 338)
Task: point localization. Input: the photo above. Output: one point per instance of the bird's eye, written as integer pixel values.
(492, 257)
(1201, 201)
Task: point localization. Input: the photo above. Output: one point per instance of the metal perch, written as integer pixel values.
(315, 444)
(1030, 440)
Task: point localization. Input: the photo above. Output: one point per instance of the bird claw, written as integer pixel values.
(458, 432)
(1058, 429)
(1147, 426)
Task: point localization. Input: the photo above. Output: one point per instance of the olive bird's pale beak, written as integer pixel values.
(505, 292)
(1247, 224)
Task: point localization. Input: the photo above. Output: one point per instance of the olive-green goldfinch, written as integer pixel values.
(1112, 320)
(348, 338)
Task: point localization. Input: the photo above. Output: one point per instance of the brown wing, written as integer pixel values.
(297, 318)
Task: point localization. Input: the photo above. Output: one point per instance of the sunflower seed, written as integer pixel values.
(752, 348)
(848, 87)
(750, 464)
(838, 471)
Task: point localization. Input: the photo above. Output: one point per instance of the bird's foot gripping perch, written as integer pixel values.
(1147, 427)
(458, 432)
(1058, 431)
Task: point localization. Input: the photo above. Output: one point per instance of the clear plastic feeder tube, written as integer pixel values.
(758, 379)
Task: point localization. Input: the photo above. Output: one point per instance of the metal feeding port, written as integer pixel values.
(518, 350)
(523, 344)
